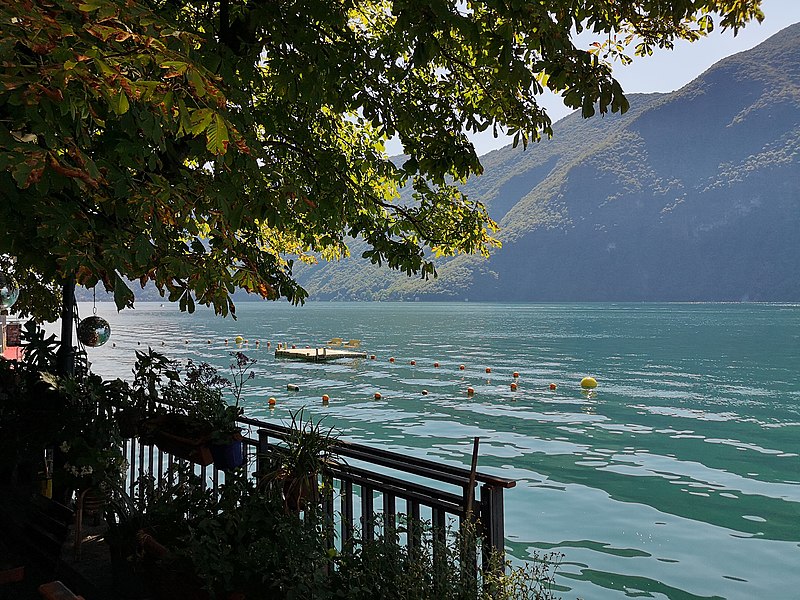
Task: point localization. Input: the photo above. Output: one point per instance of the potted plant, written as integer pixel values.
(308, 451)
(227, 446)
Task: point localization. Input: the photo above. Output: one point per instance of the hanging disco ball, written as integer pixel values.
(94, 331)
(9, 291)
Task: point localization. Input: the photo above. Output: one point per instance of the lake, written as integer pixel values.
(679, 477)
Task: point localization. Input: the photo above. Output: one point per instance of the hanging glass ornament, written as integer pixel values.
(94, 331)
(9, 291)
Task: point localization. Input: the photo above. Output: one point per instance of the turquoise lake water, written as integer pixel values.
(678, 478)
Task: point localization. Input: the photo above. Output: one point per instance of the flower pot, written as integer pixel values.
(228, 456)
(181, 436)
(299, 492)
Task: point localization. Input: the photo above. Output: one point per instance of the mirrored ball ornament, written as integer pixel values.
(9, 291)
(94, 331)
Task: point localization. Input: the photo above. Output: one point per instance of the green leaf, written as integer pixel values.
(120, 105)
(196, 81)
(217, 136)
(123, 296)
(200, 120)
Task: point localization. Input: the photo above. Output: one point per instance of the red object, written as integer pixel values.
(13, 353)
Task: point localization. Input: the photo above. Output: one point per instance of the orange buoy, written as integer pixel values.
(516, 374)
(293, 347)
(272, 402)
(461, 367)
(470, 391)
(436, 364)
(377, 395)
(412, 363)
(553, 386)
(424, 392)
(325, 397)
(488, 369)
(372, 357)
(391, 359)
(513, 387)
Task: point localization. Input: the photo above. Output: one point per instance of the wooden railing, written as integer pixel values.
(366, 484)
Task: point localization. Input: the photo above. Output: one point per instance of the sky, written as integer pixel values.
(667, 70)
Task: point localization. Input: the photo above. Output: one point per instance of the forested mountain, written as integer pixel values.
(692, 195)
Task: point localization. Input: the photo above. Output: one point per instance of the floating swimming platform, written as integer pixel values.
(318, 354)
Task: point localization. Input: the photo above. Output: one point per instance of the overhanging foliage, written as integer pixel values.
(204, 146)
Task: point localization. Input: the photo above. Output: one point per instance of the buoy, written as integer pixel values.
(424, 392)
(226, 342)
(436, 364)
(325, 398)
(257, 342)
(271, 402)
(461, 367)
(114, 345)
(162, 343)
(239, 339)
(293, 347)
(553, 386)
(413, 362)
(185, 341)
(269, 344)
(588, 383)
(470, 391)
(391, 359)
(516, 374)
(372, 357)
(377, 395)
(137, 343)
(488, 369)
(208, 341)
(292, 387)
(513, 387)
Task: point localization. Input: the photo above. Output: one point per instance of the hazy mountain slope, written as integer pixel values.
(692, 195)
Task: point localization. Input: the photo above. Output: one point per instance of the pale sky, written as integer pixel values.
(667, 71)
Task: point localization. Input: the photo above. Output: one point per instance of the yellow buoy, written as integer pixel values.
(239, 339)
(588, 383)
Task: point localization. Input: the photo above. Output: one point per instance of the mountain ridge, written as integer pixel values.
(691, 195)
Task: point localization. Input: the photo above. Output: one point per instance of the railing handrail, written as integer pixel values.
(400, 462)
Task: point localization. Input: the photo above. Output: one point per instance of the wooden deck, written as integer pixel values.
(318, 354)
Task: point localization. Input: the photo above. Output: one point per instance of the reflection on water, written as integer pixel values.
(678, 477)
